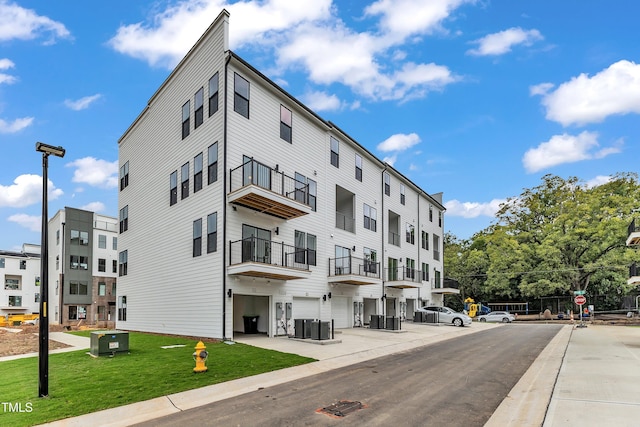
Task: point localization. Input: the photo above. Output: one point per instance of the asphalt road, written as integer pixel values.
(455, 382)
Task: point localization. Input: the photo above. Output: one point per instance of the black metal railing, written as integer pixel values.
(633, 228)
(634, 270)
(254, 249)
(405, 274)
(355, 266)
(253, 172)
(394, 238)
(345, 222)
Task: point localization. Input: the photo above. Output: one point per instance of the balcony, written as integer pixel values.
(447, 286)
(345, 222)
(403, 278)
(256, 257)
(354, 271)
(633, 234)
(634, 274)
(261, 188)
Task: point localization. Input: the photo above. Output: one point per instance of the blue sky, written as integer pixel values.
(475, 99)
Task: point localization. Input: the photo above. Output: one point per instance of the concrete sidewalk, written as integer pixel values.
(584, 377)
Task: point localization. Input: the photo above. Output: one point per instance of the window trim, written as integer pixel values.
(186, 119)
(184, 183)
(198, 106)
(213, 95)
(286, 124)
(212, 236)
(197, 238)
(173, 188)
(212, 167)
(335, 152)
(237, 96)
(197, 172)
(124, 176)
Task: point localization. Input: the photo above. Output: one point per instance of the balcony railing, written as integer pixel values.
(253, 249)
(345, 222)
(354, 266)
(404, 274)
(634, 270)
(394, 238)
(633, 228)
(253, 172)
(104, 225)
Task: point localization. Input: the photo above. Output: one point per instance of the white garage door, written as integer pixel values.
(340, 312)
(306, 308)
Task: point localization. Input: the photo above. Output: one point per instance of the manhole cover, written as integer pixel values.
(341, 409)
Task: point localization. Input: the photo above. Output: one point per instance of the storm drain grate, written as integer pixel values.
(342, 408)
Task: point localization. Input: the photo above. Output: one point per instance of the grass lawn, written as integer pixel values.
(79, 383)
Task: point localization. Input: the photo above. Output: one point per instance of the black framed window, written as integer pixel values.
(184, 174)
(425, 240)
(114, 266)
(124, 176)
(359, 167)
(313, 194)
(197, 173)
(387, 184)
(425, 272)
(124, 219)
(285, 124)
(402, 197)
(173, 188)
(335, 152)
(102, 264)
(212, 158)
(241, 95)
(186, 114)
(439, 218)
(370, 217)
(410, 234)
(213, 94)
(430, 213)
(212, 232)
(198, 105)
(197, 237)
(123, 259)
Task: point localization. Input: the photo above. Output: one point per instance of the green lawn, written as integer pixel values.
(79, 383)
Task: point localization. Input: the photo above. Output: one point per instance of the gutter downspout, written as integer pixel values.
(384, 302)
(224, 205)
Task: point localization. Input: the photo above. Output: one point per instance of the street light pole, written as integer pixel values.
(43, 348)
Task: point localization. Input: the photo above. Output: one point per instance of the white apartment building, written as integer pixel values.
(20, 274)
(237, 202)
(83, 268)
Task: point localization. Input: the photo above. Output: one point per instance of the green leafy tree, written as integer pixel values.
(563, 236)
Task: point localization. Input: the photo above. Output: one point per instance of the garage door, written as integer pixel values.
(306, 308)
(340, 312)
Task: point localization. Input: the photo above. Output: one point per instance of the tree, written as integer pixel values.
(563, 236)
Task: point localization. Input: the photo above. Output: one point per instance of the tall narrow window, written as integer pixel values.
(124, 219)
(425, 240)
(114, 243)
(387, 184)
(402, 197)
(102, 241)
(124, 176)
(114, 266)
(436, 247)
(173, 188)
(300, 245)
(122, 308)
(213, 94)
(430, 213)
(425, 272)
(285, 123)
(241, 96)
(370, 218)
(335, 152)
(370, 260)
(300, 188)
(311, 249)
(102, 264)
(123, 258)
(313, 193)
(197, 173)
(410, 234)
(212, 158)
(198, 105)
(410, 272)
(184, 174)
(358, 167)
(212, 232)
(439, 218)
(185, 119)
(197, 237)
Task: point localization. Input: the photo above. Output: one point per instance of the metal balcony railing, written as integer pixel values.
(253, 249)
(355, 266)
(253, 172)
(405, 274)
(394, 238)
(345, 222)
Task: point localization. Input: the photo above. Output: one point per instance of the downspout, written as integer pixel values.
(224, 206)
(419, 248)
(384, 302)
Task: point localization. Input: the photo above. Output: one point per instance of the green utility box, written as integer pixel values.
(109, 342)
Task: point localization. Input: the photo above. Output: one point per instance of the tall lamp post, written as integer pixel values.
(43, 349)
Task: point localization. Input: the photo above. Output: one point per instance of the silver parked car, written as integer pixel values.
(497, 316)
(447, 315)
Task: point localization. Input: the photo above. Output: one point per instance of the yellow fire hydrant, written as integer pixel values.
(200, 356)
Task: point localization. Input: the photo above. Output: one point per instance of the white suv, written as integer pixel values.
(447, 315)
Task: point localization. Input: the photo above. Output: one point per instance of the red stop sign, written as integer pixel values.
(580, 299)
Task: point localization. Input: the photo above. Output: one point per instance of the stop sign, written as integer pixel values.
(580, 299)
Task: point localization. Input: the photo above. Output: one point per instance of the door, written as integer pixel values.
(256, 244)
(340, 312)
(343, 260)
(306, 308)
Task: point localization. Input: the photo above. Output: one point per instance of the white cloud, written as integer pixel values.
(25, 24)
(390, 159)
(399, 142)
(5, 64)
(597, 181)
(339, 54)
(566, 148)
(402, 18)
(16, 126)
(93, 207)
(502, 42)
(583, 99)
(26, 190)
(95, 172)
(540, 89)
(473, 209)
(82, 103)
(322, 101)
(32, 222)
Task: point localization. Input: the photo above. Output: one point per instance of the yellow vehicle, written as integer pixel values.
(474, 309)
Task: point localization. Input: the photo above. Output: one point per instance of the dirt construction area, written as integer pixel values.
(24, 339)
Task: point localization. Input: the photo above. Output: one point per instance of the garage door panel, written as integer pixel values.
(340, 312)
